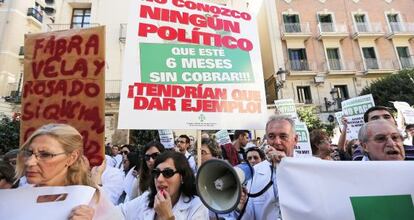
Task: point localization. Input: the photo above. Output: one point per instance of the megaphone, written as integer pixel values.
(219, 184)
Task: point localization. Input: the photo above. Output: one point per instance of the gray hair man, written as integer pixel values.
(381, 140)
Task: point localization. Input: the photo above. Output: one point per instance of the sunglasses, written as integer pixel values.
(147, 157)
(253, 157)
(166, 173)
(125, 152)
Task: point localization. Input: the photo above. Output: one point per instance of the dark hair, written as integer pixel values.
(376, 108)
(187, 139)
(261, 153)
(133, 161)
(409, 126)
(316, 137)
(11, 154)
(181, 164)
(237, 133)
(213, 146)
(145, 173)
(7, 173)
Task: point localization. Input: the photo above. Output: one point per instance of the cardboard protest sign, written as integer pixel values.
(27, 203)
(314, 189)
(353, 109)
(191, 65)
(166, 138)
(286, 107)
(64, 78)
(303, 147)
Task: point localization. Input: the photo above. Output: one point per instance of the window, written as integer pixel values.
(292, 24)
(342, 91)
(361, 22)
(334, 59)
(298, 60)
(81, 18)
(394, 22)
(326, 23)
(304, 94)
(405, 58)
(370, 58)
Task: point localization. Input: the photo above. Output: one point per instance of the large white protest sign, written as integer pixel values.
(314, 189)
(22, 203)
(303, 147)
(286, 107)
(167, 138)
(406, 111)
(223, 137)
(354, 109)
(191, 65)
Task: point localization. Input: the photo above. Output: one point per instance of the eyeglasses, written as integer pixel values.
(147, 157)
(381, 138)
(253, 157)
(125, 152)
(181, 142)
(167, 172)
(41, 156)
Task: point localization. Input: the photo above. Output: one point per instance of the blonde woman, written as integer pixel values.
(53, 156)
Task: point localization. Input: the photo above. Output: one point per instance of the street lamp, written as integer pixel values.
(335, 99)
(280, 77)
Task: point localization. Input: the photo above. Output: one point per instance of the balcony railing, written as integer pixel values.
(335, 64)
(332, 28)
(363, 27)
(338, 65)
(371, 63)
(35, 14)
(375, 64)
(406, 62)
(299, 65)
(296, 28)
(401, 27)
(112, 89)
(59, 27)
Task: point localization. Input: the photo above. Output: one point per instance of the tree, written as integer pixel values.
(309, 116)
(9, 133)
(141, 137)
(396, 87)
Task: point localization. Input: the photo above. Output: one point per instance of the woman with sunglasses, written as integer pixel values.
(53, 156)
(172, 193)
(151, 150)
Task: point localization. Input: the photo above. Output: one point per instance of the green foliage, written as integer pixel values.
(141, 137)
(310, 117)
(9, 134)
(397, 87)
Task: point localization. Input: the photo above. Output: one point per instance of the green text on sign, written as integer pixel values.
(383, 207)
(193, 64)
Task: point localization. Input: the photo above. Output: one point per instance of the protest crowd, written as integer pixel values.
(155, 182)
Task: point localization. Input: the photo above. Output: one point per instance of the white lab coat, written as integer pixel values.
(112, 183)
(265, 206)
(138, 209)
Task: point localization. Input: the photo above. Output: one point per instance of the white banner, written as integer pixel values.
(303, 148)
(191, 65)
(314, 189)
(353, 109)
(223, 137)
(26, 202)
(167, 138)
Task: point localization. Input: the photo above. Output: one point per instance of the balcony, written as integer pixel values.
(296, 31)
(332, 31)
(34, 14)
(301, 67)
(400, 29)
(339, 67)
(60, 27)
(372, 65)
(367, 30)
(406, 63)
(112, 89)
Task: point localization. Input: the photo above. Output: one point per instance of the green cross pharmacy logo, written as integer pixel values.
(202, 118)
